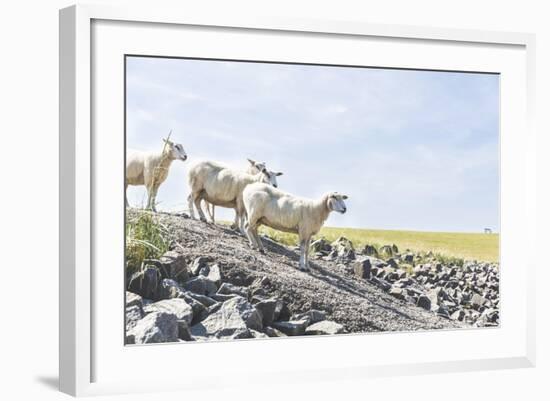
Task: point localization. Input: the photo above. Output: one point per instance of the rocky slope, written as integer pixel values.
(211, 285)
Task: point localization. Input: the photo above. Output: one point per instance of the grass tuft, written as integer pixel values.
(145, 239)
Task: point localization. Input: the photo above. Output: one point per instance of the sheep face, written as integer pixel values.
(175, 151)
(257, 166)
(271, 177)
(335, 202)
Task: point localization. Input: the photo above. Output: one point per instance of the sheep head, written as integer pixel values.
(335, 202)
(270, 177)
(174, 150)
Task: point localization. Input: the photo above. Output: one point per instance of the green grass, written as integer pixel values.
(468, 246)
(145, 239)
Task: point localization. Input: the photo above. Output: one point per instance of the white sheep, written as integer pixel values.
(265, 205)
(151, 168)
(221, 186)
(254, 168)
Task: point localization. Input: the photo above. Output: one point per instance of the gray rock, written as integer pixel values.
(362, 268)
(174, 266)
(223, 297)
(258, 334)
(273, 332)
(146, 283)
(392, 263)
(203, 299)
(369, 250)
(408, 257)
(176, 306)
(312, 316)
(232, 320)
(183, 331)
(228, 288)
(386, 251)
(383, 284)
(134, 313)
(213, 273)
(169, 288)
(201, 285)
(342, 249)
(325, 327)
(198, 264)
(458, 315)
(157, 327)
(424, 302)
(292, 328)
(397, 292)
(478, 301)
(133, 299)
(321, 246)
(267, 310)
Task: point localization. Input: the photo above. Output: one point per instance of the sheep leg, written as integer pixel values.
(251, 233)
(154, 200)
(190, 206)
(197, 200)
(306, 246)
(236, 223)
(212, 214)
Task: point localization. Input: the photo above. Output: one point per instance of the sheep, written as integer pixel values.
(254, 168)
(265, 205)
(151, 168)
(221, 186)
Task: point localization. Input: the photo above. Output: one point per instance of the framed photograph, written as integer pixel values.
(345, 199)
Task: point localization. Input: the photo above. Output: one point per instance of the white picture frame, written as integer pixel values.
(83, 351)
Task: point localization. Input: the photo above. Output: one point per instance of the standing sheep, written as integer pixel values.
(254, 168)
(151, 168)
(285, 212)
(221, 186)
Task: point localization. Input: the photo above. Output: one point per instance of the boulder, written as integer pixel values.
(223, 297)
(397, 292)
(213, 273)
(342, 249)
(292, 327)
(424, 302)
(325, 327)
(133, 299)
(228, 289)
(134, 313)
(198, 264)
(408, 257)
(478, 301)
(267, 310)
(169, 288)
(201, 285)
(458, 315)
(176, 306)
(386, 251)
(392, 263)
(174, 266)
(231, 320)
(257, 334)
(157, 327)
(312, 316)
(321, 246)
(362, 268)
(146, 282)
(183, 331)
(369, 250)
(273, 332)
(383, 284)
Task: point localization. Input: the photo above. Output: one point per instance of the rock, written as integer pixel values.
(325, 327)
(203, 299)
(157, 327)
(198, 264)
(223, 297)
(342, 249)
(146, 283)
(397, 292)
(183, 331)
(258, 334)
(458, 315)
(408, 257)
(273, 332)
(392, 262)
(394, 249)
(369, 250)
(232, 320)
(312, 316)
(321, 246)
(443, 311)
(213, 273)
(292, 328)
(169, 288)
(383, 284)
(386, 251)
(362, 268)
(281, 311)
(267, 310)
(424, 302)
(201, 285)
(174, 266)
(228, 288)
(133, 299)
(478, 301)
(134, 313)
(176, 306)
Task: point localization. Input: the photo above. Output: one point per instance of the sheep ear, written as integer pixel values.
(278, 174)
(251, 162)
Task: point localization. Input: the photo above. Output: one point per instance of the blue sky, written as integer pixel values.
(412, 149)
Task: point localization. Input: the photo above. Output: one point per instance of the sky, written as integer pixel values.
(413, 150)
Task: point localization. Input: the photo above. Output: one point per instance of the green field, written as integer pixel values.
(468, 246)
